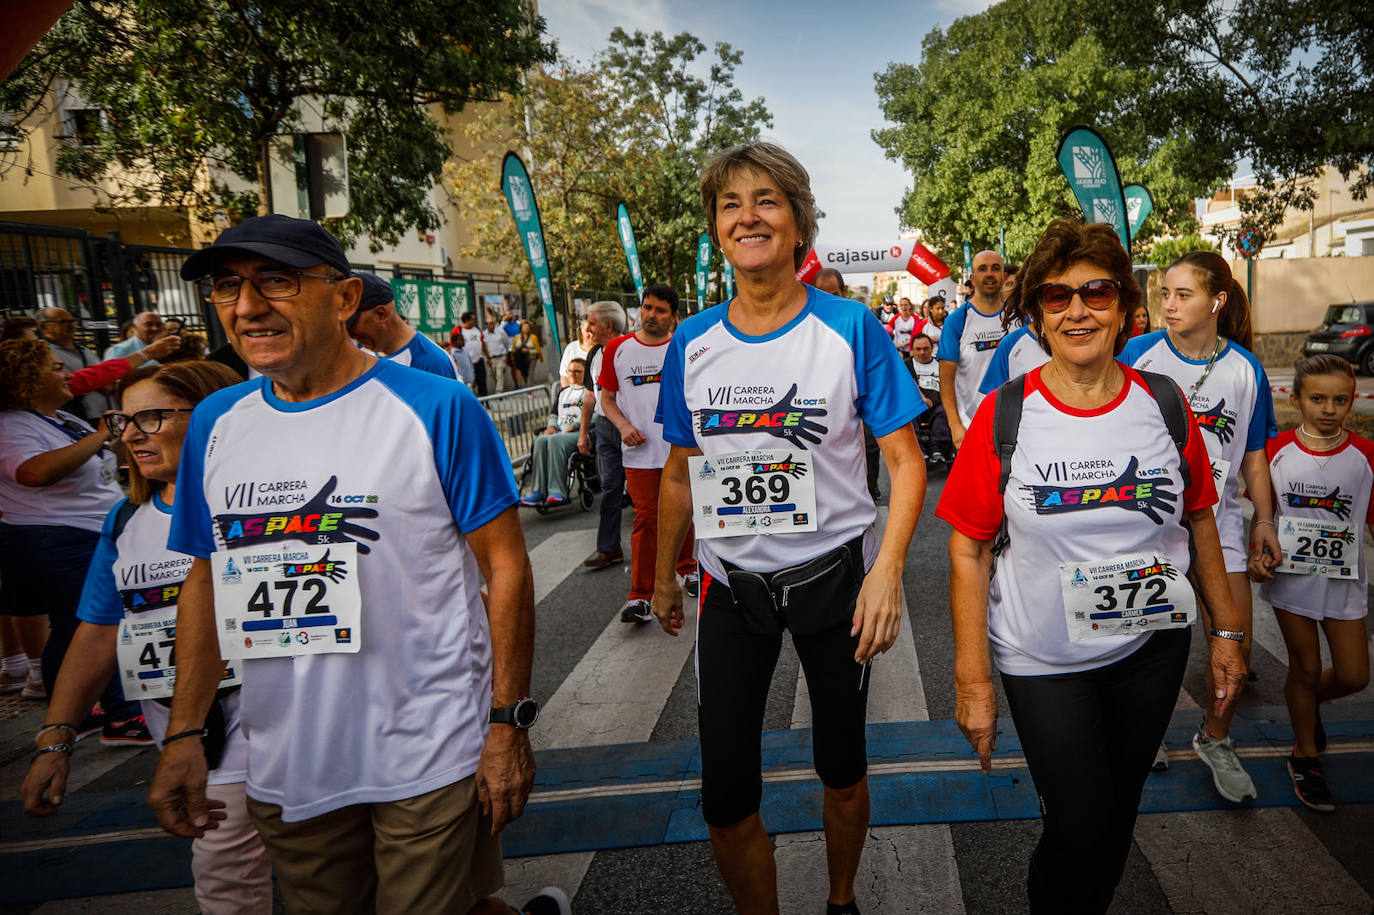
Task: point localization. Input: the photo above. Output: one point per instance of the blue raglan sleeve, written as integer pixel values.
(1132, 350)
(192, 531)
(672, 409)
(100, 602)
(1263, 425)
(953, 329)
(888, 398)
(1000, 366)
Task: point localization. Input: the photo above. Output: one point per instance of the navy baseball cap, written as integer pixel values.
(376, 291)
(294, 242)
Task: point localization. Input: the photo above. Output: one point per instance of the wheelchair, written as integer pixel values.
(581, 481)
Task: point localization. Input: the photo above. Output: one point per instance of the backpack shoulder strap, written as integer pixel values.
(1167, 395)
(1006, 421)
(122, 516)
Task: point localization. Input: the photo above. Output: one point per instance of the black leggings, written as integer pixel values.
(1089, 740)
(734, 670)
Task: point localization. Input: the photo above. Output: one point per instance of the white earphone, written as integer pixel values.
(1216, 304)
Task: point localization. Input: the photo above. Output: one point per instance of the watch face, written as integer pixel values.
(526, 713)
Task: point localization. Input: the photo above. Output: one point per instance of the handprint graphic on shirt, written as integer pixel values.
(784, 419)
(1130, 491)
(317, 521)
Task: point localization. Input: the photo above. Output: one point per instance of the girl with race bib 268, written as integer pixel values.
(1322, 476)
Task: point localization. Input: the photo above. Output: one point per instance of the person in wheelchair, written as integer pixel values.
(553, 447)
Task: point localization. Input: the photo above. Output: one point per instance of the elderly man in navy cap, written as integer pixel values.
(377, 326)
(343, 512)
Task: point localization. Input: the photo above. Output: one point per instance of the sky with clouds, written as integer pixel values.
(813, 63)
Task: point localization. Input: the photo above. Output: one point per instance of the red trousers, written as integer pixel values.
(643, 484)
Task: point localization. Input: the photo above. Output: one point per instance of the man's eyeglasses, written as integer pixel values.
(1099, 295)
(149, 422)
(270, 284)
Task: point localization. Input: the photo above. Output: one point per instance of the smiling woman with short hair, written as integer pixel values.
(782, 377)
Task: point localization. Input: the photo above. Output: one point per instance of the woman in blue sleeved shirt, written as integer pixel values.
(127, 627)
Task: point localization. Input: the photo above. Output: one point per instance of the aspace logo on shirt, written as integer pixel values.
(316, 520)
(1314, 495)
(982, 346)
(646, 376)
(1147, 492)
(786, 419)
(1219, 421)
(140, 600)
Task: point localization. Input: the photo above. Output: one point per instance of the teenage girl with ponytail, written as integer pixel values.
(1204, 346)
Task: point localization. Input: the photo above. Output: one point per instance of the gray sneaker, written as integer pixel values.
(1161, 762)
(1232, 781)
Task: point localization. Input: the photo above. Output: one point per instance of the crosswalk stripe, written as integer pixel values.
(895, 693)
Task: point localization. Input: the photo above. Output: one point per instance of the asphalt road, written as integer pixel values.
(607, 683)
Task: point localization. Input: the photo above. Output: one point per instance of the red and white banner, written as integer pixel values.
(906, 254)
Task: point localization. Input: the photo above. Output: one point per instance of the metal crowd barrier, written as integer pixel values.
(519, 416)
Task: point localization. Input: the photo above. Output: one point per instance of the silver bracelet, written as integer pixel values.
(55, 727)
(51, 748)
(1231, 634)
(1266, 521)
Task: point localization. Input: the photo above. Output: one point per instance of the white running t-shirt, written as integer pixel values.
(403, 464)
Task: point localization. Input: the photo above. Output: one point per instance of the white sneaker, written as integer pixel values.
(549, 901)
(1161, 762)
(1231, 779)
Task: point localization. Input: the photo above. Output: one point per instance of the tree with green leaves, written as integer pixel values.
(978, 120)
(1285, 84)
(192, 89)
(636, 125)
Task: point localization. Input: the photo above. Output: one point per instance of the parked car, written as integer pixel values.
(1348, 332)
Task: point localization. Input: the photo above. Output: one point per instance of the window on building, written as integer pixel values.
(84, 124)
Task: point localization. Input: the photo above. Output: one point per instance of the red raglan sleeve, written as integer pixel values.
(970, 501)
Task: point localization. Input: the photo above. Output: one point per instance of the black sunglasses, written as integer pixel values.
(1099, 295)
(149, 422)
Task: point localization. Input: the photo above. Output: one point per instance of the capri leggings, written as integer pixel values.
(734, 670)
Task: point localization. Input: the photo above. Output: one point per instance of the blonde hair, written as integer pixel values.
(782, 167)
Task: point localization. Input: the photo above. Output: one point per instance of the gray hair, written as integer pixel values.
(609, 312)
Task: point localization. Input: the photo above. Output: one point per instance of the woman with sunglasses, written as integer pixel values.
(1204, 347)
(128, 623)
(1086, 607)
(57, 484)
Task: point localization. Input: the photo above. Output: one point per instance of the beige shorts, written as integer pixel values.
(432, 853)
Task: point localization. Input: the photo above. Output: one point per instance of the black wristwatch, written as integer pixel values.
(523, 714)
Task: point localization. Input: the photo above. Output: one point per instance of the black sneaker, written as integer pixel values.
(1309, 783)
(636, 611)
(550, 901)
(1320, 735)
(849, 908)
(93, 723)
(130, 733)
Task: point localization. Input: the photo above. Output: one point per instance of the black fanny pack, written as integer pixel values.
(805, 598)
(216, 727)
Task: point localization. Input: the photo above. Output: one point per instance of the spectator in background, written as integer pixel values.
(459, 355)
(89, 374)
(475, 345)
(1140, 320)
(192, 349)
(126, 330)
(577, 349)
(525, 353)
(498, 355)
(57, 484)
(556, 443)
(18, 327)
(509, 324)
(1009, 282)
(597, 433)
(147, 327)
(173, 326)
